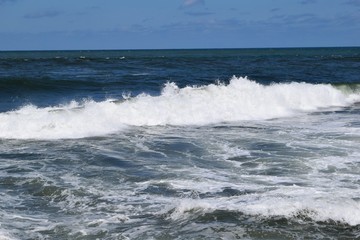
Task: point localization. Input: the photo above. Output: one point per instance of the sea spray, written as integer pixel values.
(241, 99)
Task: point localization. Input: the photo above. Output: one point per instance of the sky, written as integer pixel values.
(169, 24)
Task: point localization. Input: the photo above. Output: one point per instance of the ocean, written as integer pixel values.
(180, 144)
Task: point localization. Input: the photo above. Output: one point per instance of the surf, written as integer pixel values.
(241, 99)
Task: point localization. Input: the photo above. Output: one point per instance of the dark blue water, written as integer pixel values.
(180, 144)
(50, 78)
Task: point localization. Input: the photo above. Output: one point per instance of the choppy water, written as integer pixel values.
(180, 144)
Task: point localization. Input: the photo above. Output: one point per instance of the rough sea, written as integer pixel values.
(180, 144)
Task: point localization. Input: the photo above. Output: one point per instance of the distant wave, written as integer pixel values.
(242, 99)
(26, 84)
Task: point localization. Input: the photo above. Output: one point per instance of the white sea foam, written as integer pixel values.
(297, 204)
(241, 99)
(5, 236)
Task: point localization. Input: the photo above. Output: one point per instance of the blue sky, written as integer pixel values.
(159, 24)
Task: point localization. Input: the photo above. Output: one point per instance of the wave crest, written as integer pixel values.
(242, 99)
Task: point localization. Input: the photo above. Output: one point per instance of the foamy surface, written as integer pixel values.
(240, 100)
(168, 145)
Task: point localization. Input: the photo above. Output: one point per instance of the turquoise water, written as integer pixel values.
(180, 144)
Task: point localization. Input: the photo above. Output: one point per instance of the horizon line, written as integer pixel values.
(171, 49)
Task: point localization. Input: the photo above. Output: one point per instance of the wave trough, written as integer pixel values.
(240, 100)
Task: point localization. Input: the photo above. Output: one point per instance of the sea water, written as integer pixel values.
(180, 144)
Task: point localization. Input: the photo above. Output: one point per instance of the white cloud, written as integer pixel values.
(43, 14)
(6, 1)
(353, 2)
(190, 3)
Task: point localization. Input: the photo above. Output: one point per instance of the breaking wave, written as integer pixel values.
(240, 100)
